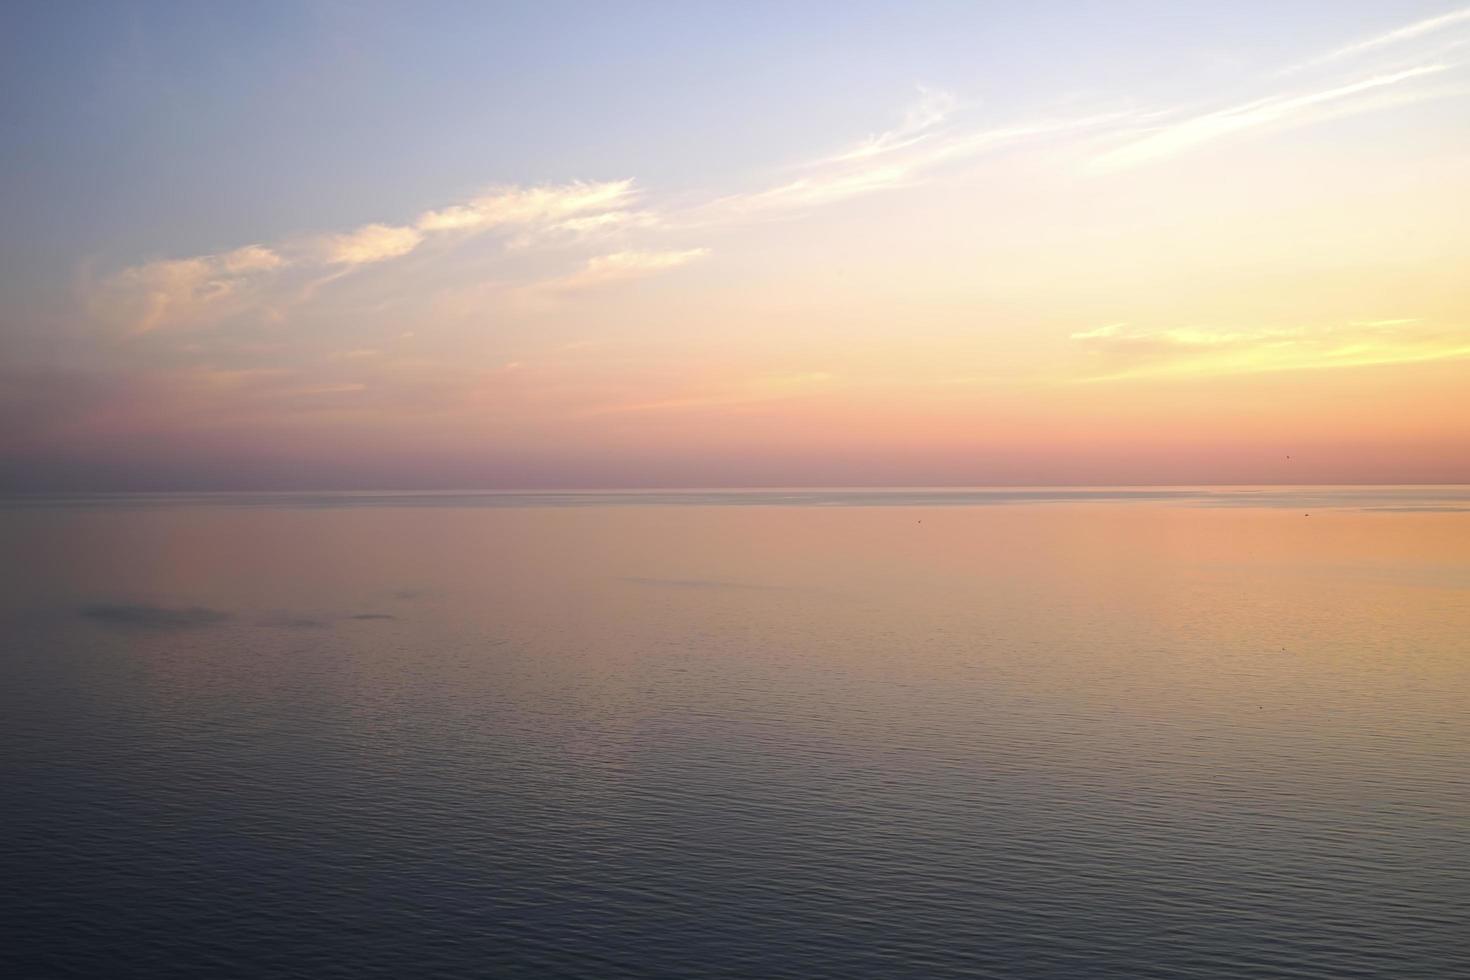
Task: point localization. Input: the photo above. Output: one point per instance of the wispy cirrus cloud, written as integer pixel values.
(804, 193)
(541, 295)
(1413, 73)
(203, 289)
(372, 243)
(933, 107)
(1120, 352)
(159, 294)
(1297, 109)
(582, 203)
(1408, 32)
(902, 157)
(621, 266)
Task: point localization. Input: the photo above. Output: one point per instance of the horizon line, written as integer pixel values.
(758, 488)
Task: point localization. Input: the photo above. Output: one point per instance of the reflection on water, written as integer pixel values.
(822, 733)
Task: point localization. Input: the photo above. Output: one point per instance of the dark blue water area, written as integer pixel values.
(715, 782)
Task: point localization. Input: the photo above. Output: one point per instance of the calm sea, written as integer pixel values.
(855, 734)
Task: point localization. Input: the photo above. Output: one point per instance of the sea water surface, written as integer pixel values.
(1012, 733)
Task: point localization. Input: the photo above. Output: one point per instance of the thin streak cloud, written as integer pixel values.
(1294, 109)
(1408, 32)
(583, 201)
(372, 243)
(622, 266)
(898, 159)
(933, 108)
(1122, 353)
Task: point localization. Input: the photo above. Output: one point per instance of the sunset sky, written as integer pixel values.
(442, 245)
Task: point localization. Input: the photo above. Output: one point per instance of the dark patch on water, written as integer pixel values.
(138, 615)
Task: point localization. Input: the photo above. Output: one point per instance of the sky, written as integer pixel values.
(329, 245)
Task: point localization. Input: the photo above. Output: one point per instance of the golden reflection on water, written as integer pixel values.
(1244, 602)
